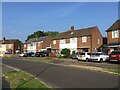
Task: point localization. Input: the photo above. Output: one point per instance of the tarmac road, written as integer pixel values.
(65, 77)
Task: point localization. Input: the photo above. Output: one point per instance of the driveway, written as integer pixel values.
(65, 77)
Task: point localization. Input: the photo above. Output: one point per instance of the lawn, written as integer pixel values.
(20, 79)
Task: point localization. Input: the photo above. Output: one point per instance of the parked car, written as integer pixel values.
(30, 54)
(84, 56)
(21, 55)
(75, 56)
(42, 54)
(114, 56)
(98, 56)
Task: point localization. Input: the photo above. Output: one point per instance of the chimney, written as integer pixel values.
(3, 39)
(72, 29)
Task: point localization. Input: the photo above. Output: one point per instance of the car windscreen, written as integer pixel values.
(116, 52)
(96, 54)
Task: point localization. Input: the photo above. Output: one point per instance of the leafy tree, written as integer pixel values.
(66, 52)
(42, 33)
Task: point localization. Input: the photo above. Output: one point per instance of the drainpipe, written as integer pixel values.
(90, 43)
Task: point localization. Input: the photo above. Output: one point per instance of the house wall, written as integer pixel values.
(110, 39)
(31, 47)
(95, 36)
(55, 46)
(82, 45)
(72, 45)
(46, 43)
(18, 46)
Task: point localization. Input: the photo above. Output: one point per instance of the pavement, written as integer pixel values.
(58, 76)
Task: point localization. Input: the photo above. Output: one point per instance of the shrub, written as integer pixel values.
(66, 52)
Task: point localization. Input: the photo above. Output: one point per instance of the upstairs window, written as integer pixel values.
(115, 34)
(54, 41)
(98, 41)
(62, 41)
(73, 40)
(84, 39)
(67, 41)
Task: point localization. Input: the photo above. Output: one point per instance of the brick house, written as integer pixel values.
(37, 44)
(12, 46)
(113, 34)
(82, 40)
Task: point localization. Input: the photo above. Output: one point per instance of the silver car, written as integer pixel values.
(98, 56)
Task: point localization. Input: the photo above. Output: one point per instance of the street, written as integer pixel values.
(58, 76)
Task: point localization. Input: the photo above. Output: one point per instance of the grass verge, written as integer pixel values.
(20, 79)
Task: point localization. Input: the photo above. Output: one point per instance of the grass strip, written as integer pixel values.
(20, 79)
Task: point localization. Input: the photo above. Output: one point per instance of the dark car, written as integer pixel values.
(75, 56)
(42, 54)
(114, 56)
(30, 54)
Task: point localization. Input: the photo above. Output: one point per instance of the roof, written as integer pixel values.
(115, 26)
(36, 39)
(9, 41)
(77, 33)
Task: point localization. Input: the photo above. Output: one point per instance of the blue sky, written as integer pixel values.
(20, 19)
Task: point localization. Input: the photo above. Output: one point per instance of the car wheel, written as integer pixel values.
(101, 60)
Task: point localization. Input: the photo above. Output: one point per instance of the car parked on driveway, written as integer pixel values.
(29, 54)
(98, 56)
(114, 56)
(42, 54)
(75, 55)
(84, 56)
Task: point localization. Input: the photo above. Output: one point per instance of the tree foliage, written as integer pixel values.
(41, 34)
(66, 52)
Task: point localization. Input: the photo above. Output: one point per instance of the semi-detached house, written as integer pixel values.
(82, 40)
(37, 44)
(113, 34)
(12, 46)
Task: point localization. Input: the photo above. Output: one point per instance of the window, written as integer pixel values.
(62, 41)
(54, 41)
(67, 41)
(98, 41)
(115, 34)
(84, 39)
(73, 40)
(25, 45)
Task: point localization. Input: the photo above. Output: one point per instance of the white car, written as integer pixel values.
(84, 56)
(98, 56)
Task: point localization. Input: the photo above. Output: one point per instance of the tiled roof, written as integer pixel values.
(10, 41)
(76, 33)
(36, 39)
(116, 25)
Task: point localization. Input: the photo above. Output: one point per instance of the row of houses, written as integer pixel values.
(81, 40)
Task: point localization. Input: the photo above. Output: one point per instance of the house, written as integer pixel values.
(12, 46)
(113, 34)
(37, 44)
(82, 40)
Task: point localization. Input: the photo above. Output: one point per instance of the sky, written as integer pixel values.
(20, 19)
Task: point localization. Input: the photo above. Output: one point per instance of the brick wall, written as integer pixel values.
(110, 39)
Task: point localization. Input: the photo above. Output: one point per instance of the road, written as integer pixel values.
(65, 77)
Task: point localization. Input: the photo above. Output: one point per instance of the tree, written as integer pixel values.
(66, 52)
(41, 34)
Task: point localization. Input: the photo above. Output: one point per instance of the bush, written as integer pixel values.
(66, 52)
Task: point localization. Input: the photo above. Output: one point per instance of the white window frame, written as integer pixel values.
(115, 34)
(54, 41)
(73, 40)
(62, 41)
(98, 41)
(84, 39)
